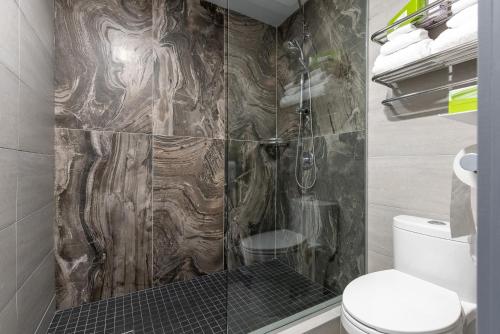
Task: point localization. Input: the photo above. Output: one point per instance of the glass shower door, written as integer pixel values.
(295, 158)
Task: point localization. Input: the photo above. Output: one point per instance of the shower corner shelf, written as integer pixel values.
(468, 117)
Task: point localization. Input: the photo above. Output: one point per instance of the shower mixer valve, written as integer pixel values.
(303, 111)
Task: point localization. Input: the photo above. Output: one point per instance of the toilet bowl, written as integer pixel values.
(270, 245)
(431, 289)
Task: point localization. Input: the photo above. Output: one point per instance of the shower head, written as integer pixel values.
(295, 48)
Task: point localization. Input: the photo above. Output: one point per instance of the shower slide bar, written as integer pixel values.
(389, 102)
(423, 18)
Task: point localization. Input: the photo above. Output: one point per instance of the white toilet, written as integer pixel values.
(432, 288)
(269, 245)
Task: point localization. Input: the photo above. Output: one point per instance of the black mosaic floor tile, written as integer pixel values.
(235, 302)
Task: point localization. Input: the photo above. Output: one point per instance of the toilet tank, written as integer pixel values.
(425, 249)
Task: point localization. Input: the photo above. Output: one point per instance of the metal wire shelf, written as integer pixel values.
(389, 102)
(422, 18)
(435, 62)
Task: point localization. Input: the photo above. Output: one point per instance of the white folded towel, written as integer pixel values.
(402, 41)
(466, 16)
(316, 78)
(453, 37)
(402, 30)
(460, 5)
(316, 91)
(402, 57)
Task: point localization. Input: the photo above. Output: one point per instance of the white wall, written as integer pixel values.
(26, 166)
(409, 159)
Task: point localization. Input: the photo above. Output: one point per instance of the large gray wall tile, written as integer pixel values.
(36, 66)
(8, 317)
(36, 182)
(421, 183)
(26, 124)
(34, 241)
(419, 136)
(40, 15)
(9, 95)
(8, 176)
(36, 122)
(35, 295)
(47, 317)
(7, 265)
(377, 262)
(9, 34)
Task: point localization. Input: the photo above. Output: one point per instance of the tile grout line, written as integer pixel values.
(18, 145)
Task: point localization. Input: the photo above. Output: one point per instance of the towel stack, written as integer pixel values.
(405, 45)
(318, 81)
(462, 27)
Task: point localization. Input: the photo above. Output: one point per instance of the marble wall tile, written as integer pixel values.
(250, 194)
(251, 67)
(103, 77)
(331, 214)
(188, 207)
(103, 215)
(337, 30)
(189, 69)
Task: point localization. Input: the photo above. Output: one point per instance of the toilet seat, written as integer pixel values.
(393, 302)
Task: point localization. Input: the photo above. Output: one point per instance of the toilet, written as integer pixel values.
(263, 247)
(431, 290)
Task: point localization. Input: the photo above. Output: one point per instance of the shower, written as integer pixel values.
(304, 110)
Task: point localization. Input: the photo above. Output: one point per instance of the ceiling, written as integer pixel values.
(272, 12)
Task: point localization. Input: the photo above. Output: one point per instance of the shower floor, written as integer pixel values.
(238, 301)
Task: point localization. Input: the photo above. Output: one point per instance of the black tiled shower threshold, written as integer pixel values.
(238, 301)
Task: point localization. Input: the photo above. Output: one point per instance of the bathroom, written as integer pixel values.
(249, 166)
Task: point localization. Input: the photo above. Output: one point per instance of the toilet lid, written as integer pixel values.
(272, 240)
(394, 302)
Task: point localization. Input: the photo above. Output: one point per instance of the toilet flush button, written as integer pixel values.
(436, 222)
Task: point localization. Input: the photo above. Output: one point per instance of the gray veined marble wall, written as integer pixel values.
(159, 105)
(27, 296)
(140, 111)
(251, 167)
(331, 215)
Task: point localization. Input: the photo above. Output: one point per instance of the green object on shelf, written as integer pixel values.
(323, 57)
(462, 100)
(411, 7)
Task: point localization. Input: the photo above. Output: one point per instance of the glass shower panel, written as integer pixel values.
(295, 158)
(321, 114)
